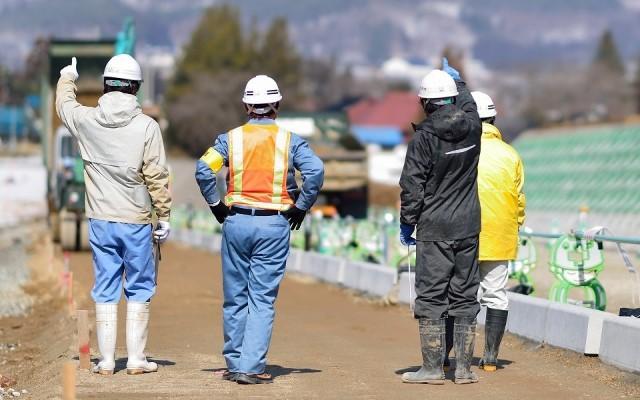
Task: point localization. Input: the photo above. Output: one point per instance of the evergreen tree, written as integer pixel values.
(203, 99)
(607, 55)
(279, 59)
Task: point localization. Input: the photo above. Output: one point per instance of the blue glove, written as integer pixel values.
(405, 235)
(450, 70)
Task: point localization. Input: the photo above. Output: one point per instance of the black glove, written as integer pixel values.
(220, 211)
(295, 217)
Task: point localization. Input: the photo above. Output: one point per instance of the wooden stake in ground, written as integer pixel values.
(69, 381)
(83, 339)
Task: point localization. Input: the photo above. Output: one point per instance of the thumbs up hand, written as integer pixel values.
(450, 70)
(70, 71)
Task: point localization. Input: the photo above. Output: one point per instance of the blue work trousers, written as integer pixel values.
(122, 249)
(254, 255)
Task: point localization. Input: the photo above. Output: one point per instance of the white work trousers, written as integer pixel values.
(493, 281)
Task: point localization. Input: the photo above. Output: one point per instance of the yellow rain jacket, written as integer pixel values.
(502, 201)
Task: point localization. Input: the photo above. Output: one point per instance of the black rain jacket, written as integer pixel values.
(439, 178)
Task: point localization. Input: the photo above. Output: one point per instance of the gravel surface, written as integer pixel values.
(14, 273)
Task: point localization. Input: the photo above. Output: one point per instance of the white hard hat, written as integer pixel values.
(486, 108)
(123, 66)
(261, 89)
(436, 85)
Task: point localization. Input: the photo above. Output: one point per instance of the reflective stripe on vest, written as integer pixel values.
(258, 167)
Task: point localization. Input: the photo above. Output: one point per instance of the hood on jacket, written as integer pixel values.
(448, 123)
(117, 109)
(490, 131)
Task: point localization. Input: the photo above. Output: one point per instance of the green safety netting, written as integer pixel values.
(597, 167)
(373, 240)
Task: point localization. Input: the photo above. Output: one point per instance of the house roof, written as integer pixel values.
(396, 108)
(387, 136)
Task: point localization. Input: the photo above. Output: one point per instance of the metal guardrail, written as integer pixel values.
(580, 235)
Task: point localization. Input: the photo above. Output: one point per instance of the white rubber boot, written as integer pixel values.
(137, 331)
(107, 331)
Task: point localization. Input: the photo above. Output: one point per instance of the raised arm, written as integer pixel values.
(67, 108)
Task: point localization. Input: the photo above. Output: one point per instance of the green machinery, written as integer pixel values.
(576, 263)
(520, 269)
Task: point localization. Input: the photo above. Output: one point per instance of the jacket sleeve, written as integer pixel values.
(465, 101)
(156, 172)
(312, 170)
(417, 166)
(522, 201)
(208, 166)
(67, 108)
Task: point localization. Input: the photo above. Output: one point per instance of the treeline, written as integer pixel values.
(204, 97)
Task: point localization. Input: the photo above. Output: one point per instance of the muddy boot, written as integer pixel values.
(493, 332)
(464, 335)
(449, 342)
(432, 342)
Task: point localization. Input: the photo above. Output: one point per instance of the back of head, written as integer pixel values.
(485, 106)
(262, 97)
(122, 74)
(437, 89)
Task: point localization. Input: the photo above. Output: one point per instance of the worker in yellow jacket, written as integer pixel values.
(502, 204)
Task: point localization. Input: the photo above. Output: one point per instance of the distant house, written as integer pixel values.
(385, 121)
(384, 125)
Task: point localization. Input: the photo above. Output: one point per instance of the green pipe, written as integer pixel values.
(580, 235)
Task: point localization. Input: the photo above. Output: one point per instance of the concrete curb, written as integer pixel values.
(620, 344)
(575, 328)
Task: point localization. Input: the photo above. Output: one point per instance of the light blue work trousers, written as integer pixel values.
(254, 255)
(122, 249)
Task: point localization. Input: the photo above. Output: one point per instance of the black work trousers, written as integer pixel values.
(447, 278)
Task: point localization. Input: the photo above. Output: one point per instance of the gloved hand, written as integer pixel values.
(220, 211)
(162, 231)
(405, 234)
(450, 70)
(70, 71)
(295, 217)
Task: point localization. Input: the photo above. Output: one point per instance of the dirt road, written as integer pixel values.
(327, 344)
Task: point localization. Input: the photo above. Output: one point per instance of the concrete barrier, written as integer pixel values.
(620, 344)
(405, 282)
(323, 267)
(528, 316)
(295, 260)
(574, 328)
(369, 278)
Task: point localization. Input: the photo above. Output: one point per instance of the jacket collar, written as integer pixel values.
(262, 121)
(490, 131)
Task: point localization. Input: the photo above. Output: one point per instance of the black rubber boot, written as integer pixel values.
(432, 343)
(464, 335)
(449, 342)
(493, 331)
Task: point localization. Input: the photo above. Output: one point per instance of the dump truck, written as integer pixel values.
(345, 189)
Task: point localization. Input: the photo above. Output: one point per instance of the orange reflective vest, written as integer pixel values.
(258, 167)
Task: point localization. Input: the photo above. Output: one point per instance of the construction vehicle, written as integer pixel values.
(65, 172)
(345, 161)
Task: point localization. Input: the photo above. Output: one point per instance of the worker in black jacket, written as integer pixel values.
(440, 197)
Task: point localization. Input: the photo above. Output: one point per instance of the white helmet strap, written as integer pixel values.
(252, 109)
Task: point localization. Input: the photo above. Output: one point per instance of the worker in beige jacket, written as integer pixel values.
(126, 180)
